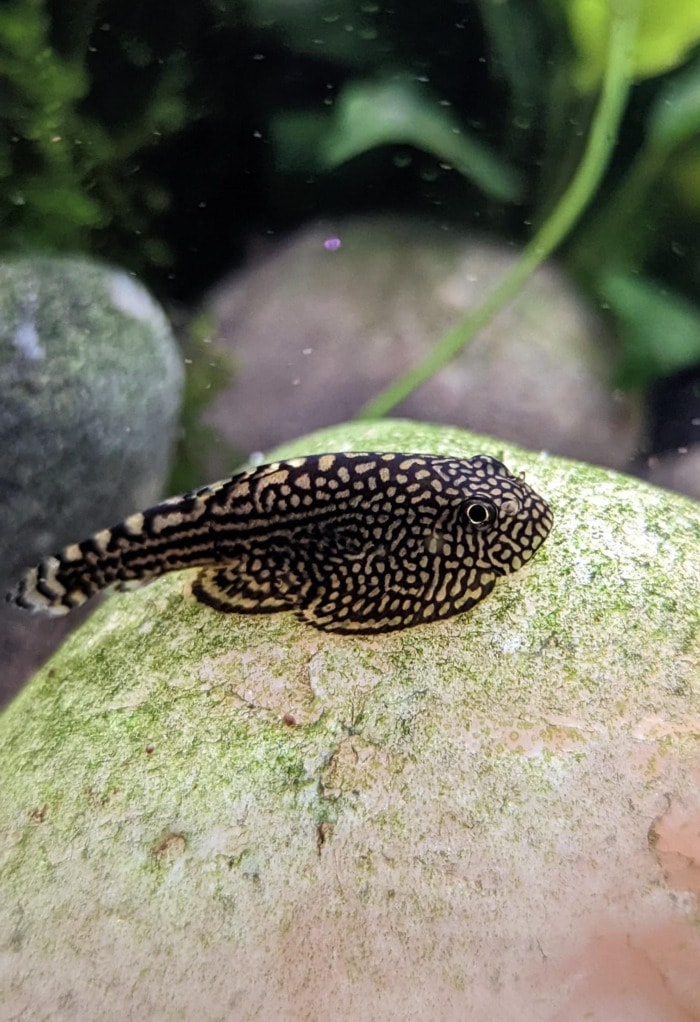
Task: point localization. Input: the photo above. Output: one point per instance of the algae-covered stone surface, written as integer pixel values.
(221, 817)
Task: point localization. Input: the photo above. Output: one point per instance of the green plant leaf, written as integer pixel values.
(665, 35)
(674, 117)
(395, 111)
(65, 202)
(660, 329)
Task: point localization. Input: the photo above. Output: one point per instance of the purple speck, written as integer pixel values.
(331, 244)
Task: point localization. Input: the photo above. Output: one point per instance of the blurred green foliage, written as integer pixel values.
(666, 34)
(68, 167)
(161, 135)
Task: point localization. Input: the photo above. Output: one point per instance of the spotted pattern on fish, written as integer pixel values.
(353, 542)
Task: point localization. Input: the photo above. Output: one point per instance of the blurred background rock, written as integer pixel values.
(330, 318)
(90, 388)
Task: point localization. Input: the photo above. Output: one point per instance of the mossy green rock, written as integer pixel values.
(221, 817)
(90, 387)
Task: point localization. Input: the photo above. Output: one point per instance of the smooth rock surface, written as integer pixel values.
(333, 315)
(90, 387)
(497, 817)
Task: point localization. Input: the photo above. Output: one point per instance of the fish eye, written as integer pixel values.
(480, 513)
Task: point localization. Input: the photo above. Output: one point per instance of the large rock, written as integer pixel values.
(335, 314)
(90, 386)
(213, 817)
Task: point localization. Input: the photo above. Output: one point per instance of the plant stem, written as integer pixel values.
(601, 140)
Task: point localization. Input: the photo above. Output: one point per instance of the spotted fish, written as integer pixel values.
(350, 542)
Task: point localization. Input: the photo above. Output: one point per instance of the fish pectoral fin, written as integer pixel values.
(327, 620)
(328, 616)
(226, 590)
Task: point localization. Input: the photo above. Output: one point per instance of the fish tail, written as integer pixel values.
(172, 535)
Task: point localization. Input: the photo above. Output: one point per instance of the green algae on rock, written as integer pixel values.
(241, 817)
